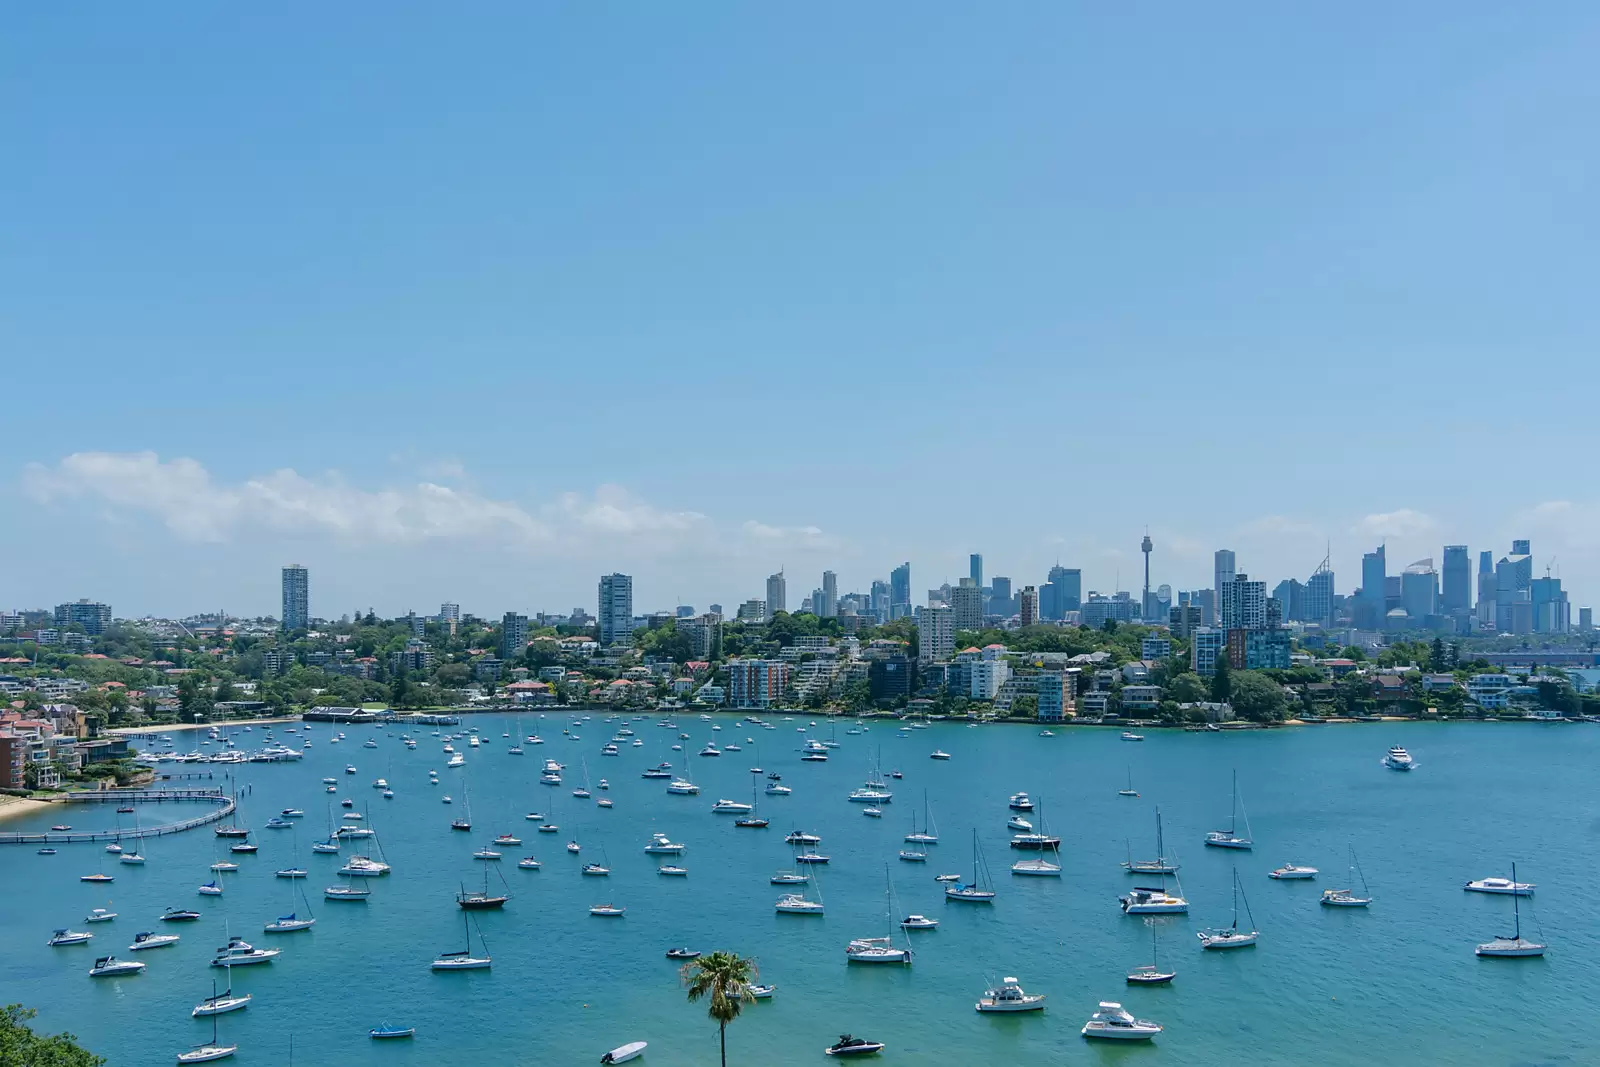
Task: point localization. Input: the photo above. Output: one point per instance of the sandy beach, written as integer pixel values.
(11, 807)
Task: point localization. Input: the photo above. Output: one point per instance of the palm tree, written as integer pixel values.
(726, 977)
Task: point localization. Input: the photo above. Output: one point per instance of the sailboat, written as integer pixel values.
(1515, 945)
(288, 924)
(1130, 791)
(1346, 898)
(464, 960)
(1230, 838)
(1151, 973)
(752, 819)
(929, 834)
(583, 792)
(213, 1050)
(1232, 936)
(796, 903)
(974, 891)
(465, 822)
(1041, 866)
(879, 949)
(1161, 864)
(484, 900)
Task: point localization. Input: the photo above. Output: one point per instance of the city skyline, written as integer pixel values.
(427, 379)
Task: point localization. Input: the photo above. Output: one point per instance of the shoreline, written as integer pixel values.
(15, 807)
(135, 731)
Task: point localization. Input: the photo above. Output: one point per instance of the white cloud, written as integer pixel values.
(183, 495)
(1403, 523)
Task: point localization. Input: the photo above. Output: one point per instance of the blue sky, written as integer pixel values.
(477, 305)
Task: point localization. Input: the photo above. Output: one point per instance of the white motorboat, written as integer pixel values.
(240, 953)
(1018, 823)
(872, 813)
(683, 787)
(1516, 945)
(142, 941)
(918, 922)
(70, 937)
(788, 878)
(1009, 996)
(939, 754)
(211, 889)
(1292, 872)
(1020, 802)
(801, 837)
(911, 855)
(485, 854)
(672, 870)
(1113, 1022)
(775, 790)
(364, 867)
(797, 904)
(1398, 759)
(730, 807)
(528, 863)
(623, 1053)
(111, 967)
(607, 911)
(1503, 886)
(1230, 838)
(870, 795)
(853, 1046)
(661, 844)
(221, 1003)
(1231, 936)
(1153, 900)
(456, 760)
(99, 915)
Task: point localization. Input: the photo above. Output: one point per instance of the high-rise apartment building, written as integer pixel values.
(900, 591)
(513, 636)
(878, 601)
(1552, 614)
(449, 613)
(296, 597)
(93, 617)
(936, 637)
(756, 683)
(615, 614)
(777, 594)
(966, 605)
(975, 569)
(829, 607)
(1244, 604)
(1457, 593)
(1028, 609)
(1063, 592)
(1513, 592)
(1000, 597)
(1207, 645)
(1486, 588)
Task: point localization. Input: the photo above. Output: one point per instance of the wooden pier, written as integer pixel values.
(223, 805)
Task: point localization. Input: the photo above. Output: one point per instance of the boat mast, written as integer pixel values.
(1516, 909)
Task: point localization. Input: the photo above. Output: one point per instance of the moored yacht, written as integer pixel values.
(1039, 867)
(1009, 996)
(1503, 886)
(147, 939)
(664, 845)
(1293, 872)
(1153, 900)
(730, 807)
(111, 967)
(1020, 802)
(1114, 1022)
(876, 950)
(1516, 945)
(797, 904)
(918, 922)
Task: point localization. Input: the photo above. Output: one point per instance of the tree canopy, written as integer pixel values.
(21, 1047)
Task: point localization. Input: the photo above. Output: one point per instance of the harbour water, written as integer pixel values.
(1395, 983)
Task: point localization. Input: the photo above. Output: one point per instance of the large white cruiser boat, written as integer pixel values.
(1504, 886)
(1148, 900)
(663, 845)
(1114, 1022)
(1398, 759)
(1008, 996)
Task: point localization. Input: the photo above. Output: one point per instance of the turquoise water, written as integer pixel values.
(1396, 983)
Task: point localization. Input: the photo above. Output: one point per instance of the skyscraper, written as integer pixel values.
(1419, 591)
(975, 569)
(615, 611)
(1371, 609)
(1513, 592)
(1486, 589)
(1319, 597)
(1224, 567)
(777, 593)
(1063, 592)
(900, 591)
(830, 596)
(1457, 593)
(296, 597)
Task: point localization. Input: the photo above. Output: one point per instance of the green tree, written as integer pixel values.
(1187, 688)
(1436, 660)
(1221, 681)
(1025, 706)
(21, 1047)
(1257, 697)
(724, 977)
